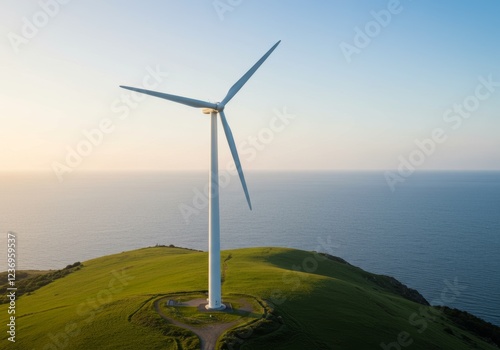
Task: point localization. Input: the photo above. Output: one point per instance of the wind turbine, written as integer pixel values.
(214, 274)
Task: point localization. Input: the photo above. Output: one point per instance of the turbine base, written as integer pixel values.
(220, 308)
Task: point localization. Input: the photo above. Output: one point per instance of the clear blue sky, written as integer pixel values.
(61, 66)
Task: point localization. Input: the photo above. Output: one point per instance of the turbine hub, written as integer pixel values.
(219, 108)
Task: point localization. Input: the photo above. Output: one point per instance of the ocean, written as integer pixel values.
(438, 232)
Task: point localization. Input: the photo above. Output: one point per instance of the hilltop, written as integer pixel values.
(311, 301)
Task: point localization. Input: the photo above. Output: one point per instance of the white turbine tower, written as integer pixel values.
(214, 273)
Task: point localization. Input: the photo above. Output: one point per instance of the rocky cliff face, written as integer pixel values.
(399, 288)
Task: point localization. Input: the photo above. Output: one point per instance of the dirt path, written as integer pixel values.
(208, 334)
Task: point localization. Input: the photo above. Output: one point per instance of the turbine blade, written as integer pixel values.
(179, 99)
(239, 84)
(234, 152)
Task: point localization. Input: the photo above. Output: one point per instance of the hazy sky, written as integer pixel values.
(353, 84)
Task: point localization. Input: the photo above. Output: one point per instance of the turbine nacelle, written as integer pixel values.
(219, 108)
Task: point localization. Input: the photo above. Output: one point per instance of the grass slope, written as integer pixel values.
(321, 304)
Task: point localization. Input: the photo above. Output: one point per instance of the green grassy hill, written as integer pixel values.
(317, 303)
